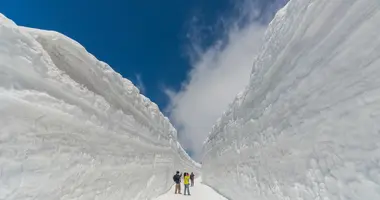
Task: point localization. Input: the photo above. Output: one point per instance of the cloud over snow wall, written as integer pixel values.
(307, 125)
(72, 128)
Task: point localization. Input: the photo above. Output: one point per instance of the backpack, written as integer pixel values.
(175, 178)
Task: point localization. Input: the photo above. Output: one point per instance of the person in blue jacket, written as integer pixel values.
(177, 181)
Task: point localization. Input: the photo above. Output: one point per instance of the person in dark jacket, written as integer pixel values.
(177, 181)
(192, 179)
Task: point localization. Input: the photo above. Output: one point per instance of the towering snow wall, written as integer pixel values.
(72, 128)
(308, 124)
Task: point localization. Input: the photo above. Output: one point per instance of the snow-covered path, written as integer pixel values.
(198, 192)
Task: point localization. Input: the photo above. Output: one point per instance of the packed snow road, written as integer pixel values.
(198, 192)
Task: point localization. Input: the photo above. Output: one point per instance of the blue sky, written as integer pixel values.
(191, 57)
(144, 38)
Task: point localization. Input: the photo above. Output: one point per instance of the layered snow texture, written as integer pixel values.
(72, 128)
(308, 124)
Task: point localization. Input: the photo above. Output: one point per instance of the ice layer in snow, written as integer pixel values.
(308, 124)
(72, 128)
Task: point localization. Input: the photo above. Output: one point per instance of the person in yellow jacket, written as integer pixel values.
(186, 181)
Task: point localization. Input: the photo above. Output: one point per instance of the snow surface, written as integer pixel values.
(198, 192)
(307, 126)
(72, 128)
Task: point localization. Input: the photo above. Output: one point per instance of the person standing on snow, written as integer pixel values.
(192, 179)
(177, 181)
(186, 181)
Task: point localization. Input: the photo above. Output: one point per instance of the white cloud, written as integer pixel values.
(140, 84)
(218, 74)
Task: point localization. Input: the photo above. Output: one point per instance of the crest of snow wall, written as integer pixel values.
(307, 126)
(72, 128)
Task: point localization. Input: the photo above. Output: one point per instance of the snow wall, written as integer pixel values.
(308, 124)
(72, 128)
